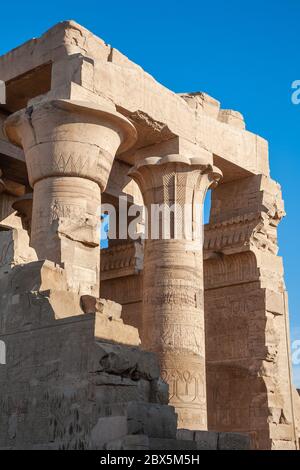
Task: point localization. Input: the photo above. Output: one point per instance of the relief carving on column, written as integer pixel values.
(173, 323)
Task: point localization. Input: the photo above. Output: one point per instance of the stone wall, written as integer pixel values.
(247, 337)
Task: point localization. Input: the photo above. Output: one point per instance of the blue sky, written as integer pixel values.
(244, 53)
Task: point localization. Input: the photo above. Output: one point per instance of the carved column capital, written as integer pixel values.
(175, 178)
(70, 138)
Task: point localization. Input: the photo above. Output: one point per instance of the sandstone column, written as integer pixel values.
(173, 317)
(69, 149)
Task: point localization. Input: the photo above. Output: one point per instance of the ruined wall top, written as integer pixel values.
(69, 62)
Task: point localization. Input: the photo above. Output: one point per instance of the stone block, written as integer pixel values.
(125, 361)
(35, 276)
(117, 389)
(64, 303)
(202, 102)
(130, 442)
(15, 247)
(206, 440)
(108, 308)
(116, 331)
(171, 444)
(150, 419)
(185, 435)
(281, 432)
(233, 441)
(108, 325)
(108, 428)
(233, 118)
(159, 392)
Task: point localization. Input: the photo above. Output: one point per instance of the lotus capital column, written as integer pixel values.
(69, 149)
(173, 315)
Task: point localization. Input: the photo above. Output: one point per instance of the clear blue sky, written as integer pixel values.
(244, 53)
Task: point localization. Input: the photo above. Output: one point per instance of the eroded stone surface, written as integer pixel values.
(246, 317)
(86, 126)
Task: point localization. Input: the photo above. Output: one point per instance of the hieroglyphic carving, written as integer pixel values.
(173, 324)
(245, 315)
(184, 387)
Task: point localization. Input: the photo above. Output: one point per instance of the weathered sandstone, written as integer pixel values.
(164, 342)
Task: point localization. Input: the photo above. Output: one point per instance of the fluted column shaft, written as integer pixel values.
(173, 316)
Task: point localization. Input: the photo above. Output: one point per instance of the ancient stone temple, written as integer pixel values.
(153, 342)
